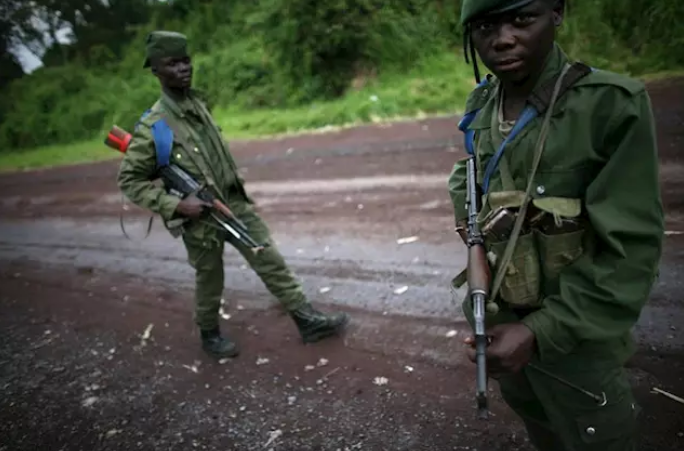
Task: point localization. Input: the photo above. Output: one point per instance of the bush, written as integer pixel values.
(253, 54)
(652, 31)
(316, 45)
(238, 74)
(321, 46)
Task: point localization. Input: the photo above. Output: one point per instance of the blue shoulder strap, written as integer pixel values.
(465, 123)
(163, 139)
(528, 114)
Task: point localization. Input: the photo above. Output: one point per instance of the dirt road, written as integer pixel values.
(77, 299)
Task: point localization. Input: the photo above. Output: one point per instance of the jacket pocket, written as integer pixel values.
(556, 251)
(610, 428)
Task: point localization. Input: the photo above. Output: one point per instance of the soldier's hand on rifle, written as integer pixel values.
(192, 207)
(511, 348)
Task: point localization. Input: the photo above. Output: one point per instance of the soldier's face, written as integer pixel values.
(174, 72)
(514, 45)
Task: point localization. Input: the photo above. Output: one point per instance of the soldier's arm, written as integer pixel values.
(135, 176)
(603, 292)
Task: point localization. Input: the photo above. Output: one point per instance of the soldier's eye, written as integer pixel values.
(524, 19)
(483, 26)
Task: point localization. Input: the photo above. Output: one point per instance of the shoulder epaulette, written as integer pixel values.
(630, 85)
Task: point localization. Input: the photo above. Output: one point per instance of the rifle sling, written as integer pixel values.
(121, 221)
(510, 246)
(542, 97)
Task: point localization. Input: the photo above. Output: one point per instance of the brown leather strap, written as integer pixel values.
(541, 97)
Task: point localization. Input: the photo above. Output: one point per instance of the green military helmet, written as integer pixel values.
(471, 9)
(161, 44)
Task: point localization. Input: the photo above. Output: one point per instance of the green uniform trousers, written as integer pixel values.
(205, 255)
(560, 418)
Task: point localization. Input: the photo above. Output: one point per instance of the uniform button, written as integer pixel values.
(485, 92)
(591, 430)
(196, 149)
(178, 156)
(541, 189)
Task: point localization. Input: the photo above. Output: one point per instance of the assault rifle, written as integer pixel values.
(179, 183)
(479, 278)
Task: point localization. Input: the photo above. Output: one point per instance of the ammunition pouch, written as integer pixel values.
(551, 239)
(556, 251)
(521, 282)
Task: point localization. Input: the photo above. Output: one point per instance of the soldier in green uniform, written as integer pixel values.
(199, 148)
(571, 151)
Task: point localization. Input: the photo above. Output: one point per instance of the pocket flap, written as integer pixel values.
(562, 206)
(505, 199)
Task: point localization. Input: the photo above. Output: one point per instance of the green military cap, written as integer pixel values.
(162, 44)
(471, 9)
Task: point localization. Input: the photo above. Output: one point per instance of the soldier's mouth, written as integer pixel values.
(508, 64)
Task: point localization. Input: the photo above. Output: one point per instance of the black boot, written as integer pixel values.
(314, 325)
(218, 346)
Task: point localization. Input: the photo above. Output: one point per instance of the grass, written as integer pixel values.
(58, 155)
(663, 75)
(437, 85)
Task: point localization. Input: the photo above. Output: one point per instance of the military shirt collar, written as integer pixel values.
(179, 106)
(555, 62)
(488, 96)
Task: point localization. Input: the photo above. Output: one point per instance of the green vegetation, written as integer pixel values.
(285, 66)
(57, 155)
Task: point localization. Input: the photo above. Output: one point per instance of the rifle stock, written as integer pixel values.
(478, 284)
(181, 184)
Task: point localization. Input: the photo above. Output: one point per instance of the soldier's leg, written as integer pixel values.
(281, 282)
(206, 258)
(520, 396)
(269, 264)
(581, 422)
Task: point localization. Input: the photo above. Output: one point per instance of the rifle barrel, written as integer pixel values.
(480, 350)
(478, 286)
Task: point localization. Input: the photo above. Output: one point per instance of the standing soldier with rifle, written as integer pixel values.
(179, 132)
(560, 194)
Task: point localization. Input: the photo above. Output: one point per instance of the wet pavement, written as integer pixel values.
(74, 289)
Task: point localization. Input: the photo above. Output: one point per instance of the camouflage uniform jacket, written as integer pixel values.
(198, 148)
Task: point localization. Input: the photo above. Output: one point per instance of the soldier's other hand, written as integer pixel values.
(192, 207)
(511, 348)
